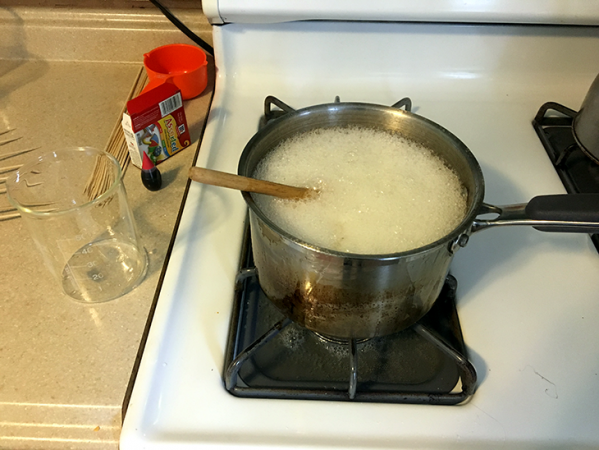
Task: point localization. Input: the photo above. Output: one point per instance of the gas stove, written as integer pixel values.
(526, 300)
(269, 356)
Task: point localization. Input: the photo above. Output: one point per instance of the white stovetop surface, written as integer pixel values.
(528, 301)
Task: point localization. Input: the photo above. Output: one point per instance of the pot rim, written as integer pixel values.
(464, 226)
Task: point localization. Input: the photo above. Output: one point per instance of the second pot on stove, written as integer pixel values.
(347, 295)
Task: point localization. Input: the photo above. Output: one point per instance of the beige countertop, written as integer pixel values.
(65, 74)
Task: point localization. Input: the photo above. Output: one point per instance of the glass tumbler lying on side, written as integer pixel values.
(74, 203)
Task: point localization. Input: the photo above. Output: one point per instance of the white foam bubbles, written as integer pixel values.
(379, 193)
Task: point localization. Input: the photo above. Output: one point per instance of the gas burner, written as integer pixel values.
(269, 356)
(578, 172)
(338, 341)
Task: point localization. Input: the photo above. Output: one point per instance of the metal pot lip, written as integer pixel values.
(463, 228)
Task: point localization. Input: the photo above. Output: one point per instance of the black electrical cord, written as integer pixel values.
(176, 22)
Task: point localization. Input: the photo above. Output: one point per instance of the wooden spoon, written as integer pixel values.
(229, 180)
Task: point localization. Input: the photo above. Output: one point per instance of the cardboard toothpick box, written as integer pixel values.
(155, 124)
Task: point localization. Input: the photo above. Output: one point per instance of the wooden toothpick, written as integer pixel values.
(20, 152)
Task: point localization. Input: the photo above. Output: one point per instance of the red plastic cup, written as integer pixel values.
(181, 64)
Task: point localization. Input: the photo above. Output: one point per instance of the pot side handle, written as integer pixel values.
(566, 213)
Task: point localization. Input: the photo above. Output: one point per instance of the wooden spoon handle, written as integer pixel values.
(241, 183)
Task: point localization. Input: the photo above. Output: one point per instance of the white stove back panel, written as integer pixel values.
(574, 12)
(527, 300)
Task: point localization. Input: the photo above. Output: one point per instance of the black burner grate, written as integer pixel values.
(579, 174)
(268, 356)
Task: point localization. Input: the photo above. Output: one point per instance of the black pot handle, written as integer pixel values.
(566, 213)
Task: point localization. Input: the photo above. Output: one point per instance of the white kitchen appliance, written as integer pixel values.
(528, 301)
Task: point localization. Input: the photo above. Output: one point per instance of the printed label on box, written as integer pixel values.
(155, 124)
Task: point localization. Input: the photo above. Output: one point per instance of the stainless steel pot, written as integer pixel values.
(348, 295)
(586, 123)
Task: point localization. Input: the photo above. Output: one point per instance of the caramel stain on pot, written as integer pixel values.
(337, 313)
(292, 306)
